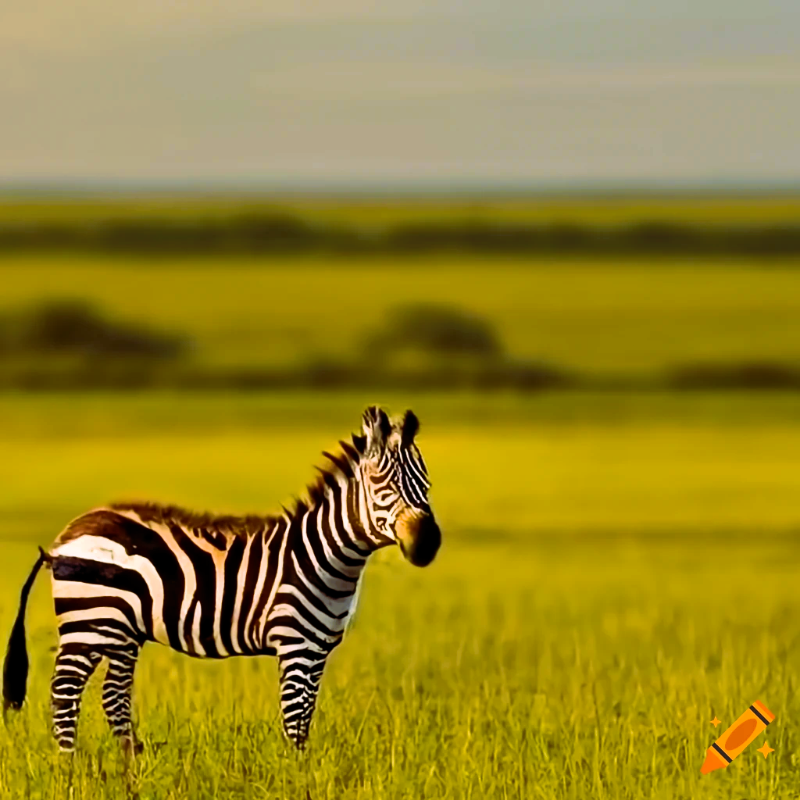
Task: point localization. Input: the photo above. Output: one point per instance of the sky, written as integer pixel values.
(538, 92)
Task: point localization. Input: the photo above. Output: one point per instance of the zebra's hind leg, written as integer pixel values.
(75, 664)
(117, 690)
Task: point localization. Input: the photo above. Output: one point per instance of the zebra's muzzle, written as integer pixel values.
(419, 538)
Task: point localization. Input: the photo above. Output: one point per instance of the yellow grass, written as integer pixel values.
(614, 574)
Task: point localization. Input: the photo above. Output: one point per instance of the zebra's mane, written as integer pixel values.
(341, 464)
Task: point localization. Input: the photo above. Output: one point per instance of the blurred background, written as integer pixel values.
(566, 234)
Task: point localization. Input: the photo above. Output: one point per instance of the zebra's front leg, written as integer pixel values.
(117, 691)
(75, 664)
(301, 673)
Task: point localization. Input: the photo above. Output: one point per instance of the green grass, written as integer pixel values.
(591, 316)
(615, 572)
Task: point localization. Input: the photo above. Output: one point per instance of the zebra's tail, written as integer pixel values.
(15, 666)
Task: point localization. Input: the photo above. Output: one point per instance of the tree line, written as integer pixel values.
(287, 234)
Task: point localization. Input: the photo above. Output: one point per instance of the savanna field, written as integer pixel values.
(616, 569)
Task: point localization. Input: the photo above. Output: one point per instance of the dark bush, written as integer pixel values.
(441, 331)
(71, 327)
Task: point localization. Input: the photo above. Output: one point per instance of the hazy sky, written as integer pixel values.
(348, 90)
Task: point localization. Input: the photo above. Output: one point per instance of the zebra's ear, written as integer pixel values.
(377, 427)
(410, 428)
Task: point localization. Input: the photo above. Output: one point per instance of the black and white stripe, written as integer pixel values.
(214, 587)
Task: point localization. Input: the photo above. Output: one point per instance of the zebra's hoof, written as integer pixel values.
(132, 748)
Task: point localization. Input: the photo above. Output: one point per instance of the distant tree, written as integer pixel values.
(76, 328)
(435, 330)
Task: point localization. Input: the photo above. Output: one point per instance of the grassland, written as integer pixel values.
(593, 317)
(616, 571)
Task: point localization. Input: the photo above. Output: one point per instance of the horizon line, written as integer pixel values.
(379, 188)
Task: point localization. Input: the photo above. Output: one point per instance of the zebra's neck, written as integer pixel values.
(328, 545)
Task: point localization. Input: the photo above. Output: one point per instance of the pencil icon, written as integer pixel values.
(737, 737)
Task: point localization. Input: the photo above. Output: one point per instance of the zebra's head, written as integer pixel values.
(396, 485)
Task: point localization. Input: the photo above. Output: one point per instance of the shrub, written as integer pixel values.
(71, 327)
(438, 331)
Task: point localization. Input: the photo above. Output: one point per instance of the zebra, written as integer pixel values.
(220, 586)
